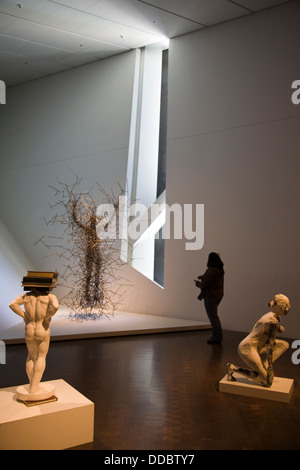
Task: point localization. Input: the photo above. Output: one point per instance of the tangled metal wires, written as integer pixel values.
(90, 263)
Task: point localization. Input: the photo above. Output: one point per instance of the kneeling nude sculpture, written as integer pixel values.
(261, 348)
(39, 307)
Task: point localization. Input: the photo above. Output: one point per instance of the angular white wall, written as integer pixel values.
(233, 145)
(76, 120)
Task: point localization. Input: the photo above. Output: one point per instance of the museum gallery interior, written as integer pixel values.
(149, 225)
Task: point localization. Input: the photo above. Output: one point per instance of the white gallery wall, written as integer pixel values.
(233, 145)
(73, 122)
(13, 264)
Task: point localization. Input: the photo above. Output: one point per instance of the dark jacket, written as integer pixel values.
(212, 285)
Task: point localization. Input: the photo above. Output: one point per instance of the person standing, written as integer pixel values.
(211, 284)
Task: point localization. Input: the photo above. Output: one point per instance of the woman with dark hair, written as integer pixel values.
(212, 290)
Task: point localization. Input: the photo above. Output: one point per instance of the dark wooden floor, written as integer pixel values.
(160, 392)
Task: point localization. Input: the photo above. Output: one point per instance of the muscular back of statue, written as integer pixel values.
(39, 306)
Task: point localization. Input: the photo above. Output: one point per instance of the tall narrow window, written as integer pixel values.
(146, 169)
(159, 250)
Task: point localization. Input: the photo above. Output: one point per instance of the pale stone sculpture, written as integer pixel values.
(39, 307)
(261, 348)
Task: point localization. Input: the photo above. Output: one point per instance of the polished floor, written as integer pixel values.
(160, 392)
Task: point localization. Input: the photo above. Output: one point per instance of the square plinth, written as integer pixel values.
(64, 423)
(280, 390)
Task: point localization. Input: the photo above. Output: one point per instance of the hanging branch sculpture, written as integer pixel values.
(91, 262)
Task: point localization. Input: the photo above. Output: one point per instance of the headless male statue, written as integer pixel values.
(261, 348)
(39, 307)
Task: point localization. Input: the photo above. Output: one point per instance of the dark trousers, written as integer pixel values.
(211, 308)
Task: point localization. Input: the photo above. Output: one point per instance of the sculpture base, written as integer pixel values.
(45, 391)
(40, 402)
(280, 390)
(67, 422)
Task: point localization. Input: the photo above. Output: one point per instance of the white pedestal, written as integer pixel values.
(65, 423)
(280, 390)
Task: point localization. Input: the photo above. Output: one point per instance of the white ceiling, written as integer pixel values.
(42, 37)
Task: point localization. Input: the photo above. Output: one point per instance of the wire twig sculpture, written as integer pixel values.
(90, 263)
